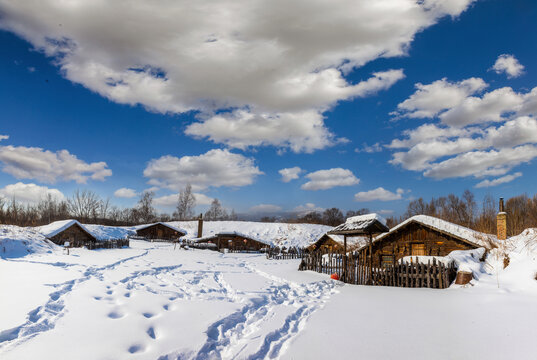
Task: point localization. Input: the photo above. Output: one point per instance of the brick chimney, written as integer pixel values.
(200, 226)
(501, 222)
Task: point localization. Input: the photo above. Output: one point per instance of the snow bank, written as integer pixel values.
(17, 241)
(277, 234)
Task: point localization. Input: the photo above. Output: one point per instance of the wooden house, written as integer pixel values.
(160, 231)
(423, 235)
(71, 231)
(234, 241)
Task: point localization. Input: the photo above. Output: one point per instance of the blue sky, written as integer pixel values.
(139, 113)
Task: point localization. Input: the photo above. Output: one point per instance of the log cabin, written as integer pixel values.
(423, 235)
(234, 241)
(71, 231)
(160, 231)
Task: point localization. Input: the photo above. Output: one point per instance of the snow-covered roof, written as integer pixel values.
(366, 217)
(57, 227)
(168, 225)
(18, 241)
(362, 224)
(457, 231)
(352, 241)
(233, 233)
(276, 234)
(106, 233)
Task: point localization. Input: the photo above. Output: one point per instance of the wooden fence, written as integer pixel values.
(110, 244)
(278, 254)
(434, 274)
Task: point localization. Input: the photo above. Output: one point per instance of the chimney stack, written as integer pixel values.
(200, 226)
(501, 222)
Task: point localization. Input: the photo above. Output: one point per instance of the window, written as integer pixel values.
(418, 249)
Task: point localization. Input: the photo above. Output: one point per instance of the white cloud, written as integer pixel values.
(125, 193)
(509, 65)
(483, 163)
(379, 194)
(215, 168)
(476, 136)
(30, 193)
(307, 208)
(47, 166)
(171, 200)
(265, 208)
(498, 181)
(300, 131)
(376, 147)
(289, 174)
(386, 212)
(4, 137)
(429, 100)
(327, 179)
(276, 58)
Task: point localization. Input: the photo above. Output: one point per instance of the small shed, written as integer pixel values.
(361, 225)
(60, 232)
(234, 241)
(423, 235)
(160, 231)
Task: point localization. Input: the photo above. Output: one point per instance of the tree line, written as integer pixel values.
(88, 207)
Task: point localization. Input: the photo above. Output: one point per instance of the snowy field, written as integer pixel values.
(153, 302)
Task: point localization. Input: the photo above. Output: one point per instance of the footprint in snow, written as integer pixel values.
(115, 315)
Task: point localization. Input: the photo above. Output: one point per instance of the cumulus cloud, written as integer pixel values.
(279, 60)
(429, 100)
(30, 193)
(379, 194)
(498, 181)
(327, 179)
(478, 136)
(4, 137)
(125, 193)
(47, 166)
(289, 174)
(265, 208)
(300, 131)
(215, 168)
(509, 65)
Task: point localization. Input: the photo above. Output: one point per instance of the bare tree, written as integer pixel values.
(84, 205)
(333, 217)
(216, 211)
(145, 210)
(185, 204)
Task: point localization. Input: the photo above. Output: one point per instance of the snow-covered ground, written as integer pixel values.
(153, 302)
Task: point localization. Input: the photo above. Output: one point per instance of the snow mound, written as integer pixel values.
(18, 241)
(277, 234)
